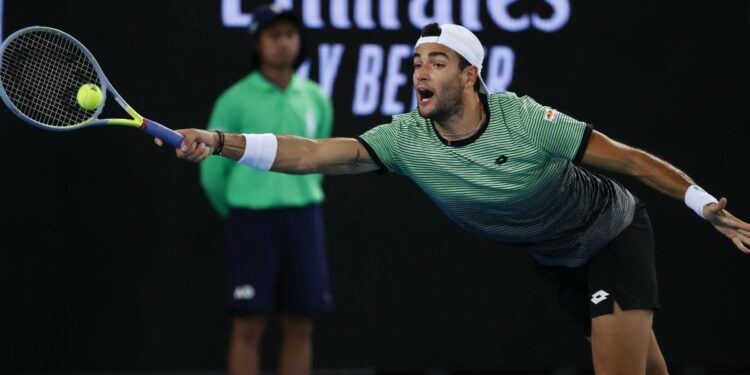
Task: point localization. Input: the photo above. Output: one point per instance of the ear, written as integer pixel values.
(471, 74)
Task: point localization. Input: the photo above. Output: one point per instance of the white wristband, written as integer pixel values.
(697, 198)
(260, 151)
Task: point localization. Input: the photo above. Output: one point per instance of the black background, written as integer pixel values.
(112, 258)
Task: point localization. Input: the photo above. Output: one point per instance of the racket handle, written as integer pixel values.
(162, 132)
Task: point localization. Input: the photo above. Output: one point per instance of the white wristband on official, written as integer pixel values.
(260, 151)
(697, 198)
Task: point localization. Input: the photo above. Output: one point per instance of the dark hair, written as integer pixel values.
(255, 37)
(434, 29)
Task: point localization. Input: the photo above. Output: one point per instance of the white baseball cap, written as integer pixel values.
(464, 42)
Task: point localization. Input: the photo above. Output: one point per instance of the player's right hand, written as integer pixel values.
(196, 146)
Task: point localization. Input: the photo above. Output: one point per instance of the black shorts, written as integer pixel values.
(276, 261)
(624, 271)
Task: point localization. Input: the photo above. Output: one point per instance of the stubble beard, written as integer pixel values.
(449, 107)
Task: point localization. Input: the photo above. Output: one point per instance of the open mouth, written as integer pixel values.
(424, 95)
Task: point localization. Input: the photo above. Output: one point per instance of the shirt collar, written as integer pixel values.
(264, 84)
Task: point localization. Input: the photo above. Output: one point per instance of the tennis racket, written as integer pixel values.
(41, 71)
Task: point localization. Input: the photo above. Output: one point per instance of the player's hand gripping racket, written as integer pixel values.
(47, 79)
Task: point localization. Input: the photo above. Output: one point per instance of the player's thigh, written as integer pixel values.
(620, 341)
(655, 363)
(623, 271)
(623, 293)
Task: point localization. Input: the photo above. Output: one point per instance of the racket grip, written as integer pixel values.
(162, 132)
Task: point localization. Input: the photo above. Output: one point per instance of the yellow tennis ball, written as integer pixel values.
(89, 96)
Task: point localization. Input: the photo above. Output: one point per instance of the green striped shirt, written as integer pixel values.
(514, 182)
(255, 105)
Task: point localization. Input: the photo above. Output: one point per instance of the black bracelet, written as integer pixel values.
(221, 143)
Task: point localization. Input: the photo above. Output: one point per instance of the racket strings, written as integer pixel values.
(35, 89)
(41, 73)
(67, 60)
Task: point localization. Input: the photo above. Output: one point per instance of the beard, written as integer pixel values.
(449, 105)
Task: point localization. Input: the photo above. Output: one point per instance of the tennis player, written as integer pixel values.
(514, 172)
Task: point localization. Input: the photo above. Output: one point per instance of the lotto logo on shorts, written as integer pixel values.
(551, 115)
(599, 296)
(244, 292)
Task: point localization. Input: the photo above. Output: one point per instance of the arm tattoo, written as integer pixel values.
(354, 163)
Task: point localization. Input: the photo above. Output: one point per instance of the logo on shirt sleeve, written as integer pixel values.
(551, 115)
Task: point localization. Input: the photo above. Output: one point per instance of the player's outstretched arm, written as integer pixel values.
(607, 154)
(331, 156)
(282, 153)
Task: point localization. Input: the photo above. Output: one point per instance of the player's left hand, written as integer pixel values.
(735, 229)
